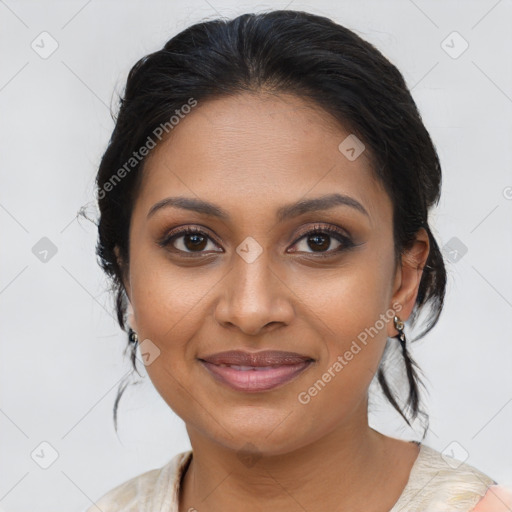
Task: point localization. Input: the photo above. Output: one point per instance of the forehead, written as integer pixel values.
(261, 149)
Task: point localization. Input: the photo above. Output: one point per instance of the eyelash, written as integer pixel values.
(346, 242)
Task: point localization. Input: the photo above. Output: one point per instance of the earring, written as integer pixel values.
(132, 335)
(399, 326)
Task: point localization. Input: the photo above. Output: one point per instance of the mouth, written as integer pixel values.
(256, 371)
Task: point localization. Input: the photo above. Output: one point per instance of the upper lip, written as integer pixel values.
(263, 358)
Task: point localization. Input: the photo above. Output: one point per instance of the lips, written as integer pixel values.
(256, 359)
(256, 371)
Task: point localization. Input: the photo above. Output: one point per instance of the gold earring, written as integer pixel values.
(399, 326)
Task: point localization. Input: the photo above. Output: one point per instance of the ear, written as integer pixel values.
(130, 317)
(127, 288)
(124, 273)
(408, 278)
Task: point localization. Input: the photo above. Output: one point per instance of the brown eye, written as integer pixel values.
(188, 240)
(319, 240)
(194, 242)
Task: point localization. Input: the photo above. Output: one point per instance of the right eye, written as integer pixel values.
(188, 241)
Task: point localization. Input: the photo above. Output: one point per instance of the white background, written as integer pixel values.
(62, 352)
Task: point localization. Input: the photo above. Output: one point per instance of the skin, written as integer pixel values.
(251, 154)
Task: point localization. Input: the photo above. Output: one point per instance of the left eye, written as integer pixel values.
(319, 240)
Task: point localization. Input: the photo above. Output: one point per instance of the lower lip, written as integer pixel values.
(255, 380)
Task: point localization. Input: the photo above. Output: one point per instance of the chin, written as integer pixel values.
(258, 446)
(247, 431)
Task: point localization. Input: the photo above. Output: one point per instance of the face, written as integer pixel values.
(295, 255)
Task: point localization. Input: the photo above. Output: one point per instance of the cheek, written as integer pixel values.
(168, 300)
(346, 300)
(172, 306)
(352, 311)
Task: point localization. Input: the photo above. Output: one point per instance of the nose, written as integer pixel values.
(254, 298)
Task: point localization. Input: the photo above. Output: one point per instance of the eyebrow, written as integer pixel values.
(283, 213)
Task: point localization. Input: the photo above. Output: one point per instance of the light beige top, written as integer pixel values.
(436, 484)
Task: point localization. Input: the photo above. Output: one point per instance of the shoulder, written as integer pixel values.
(441, 483)
(145, 489)
(498, 498)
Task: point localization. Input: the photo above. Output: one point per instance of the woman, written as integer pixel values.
(264, 206)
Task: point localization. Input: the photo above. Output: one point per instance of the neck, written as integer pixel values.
(330, 473)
